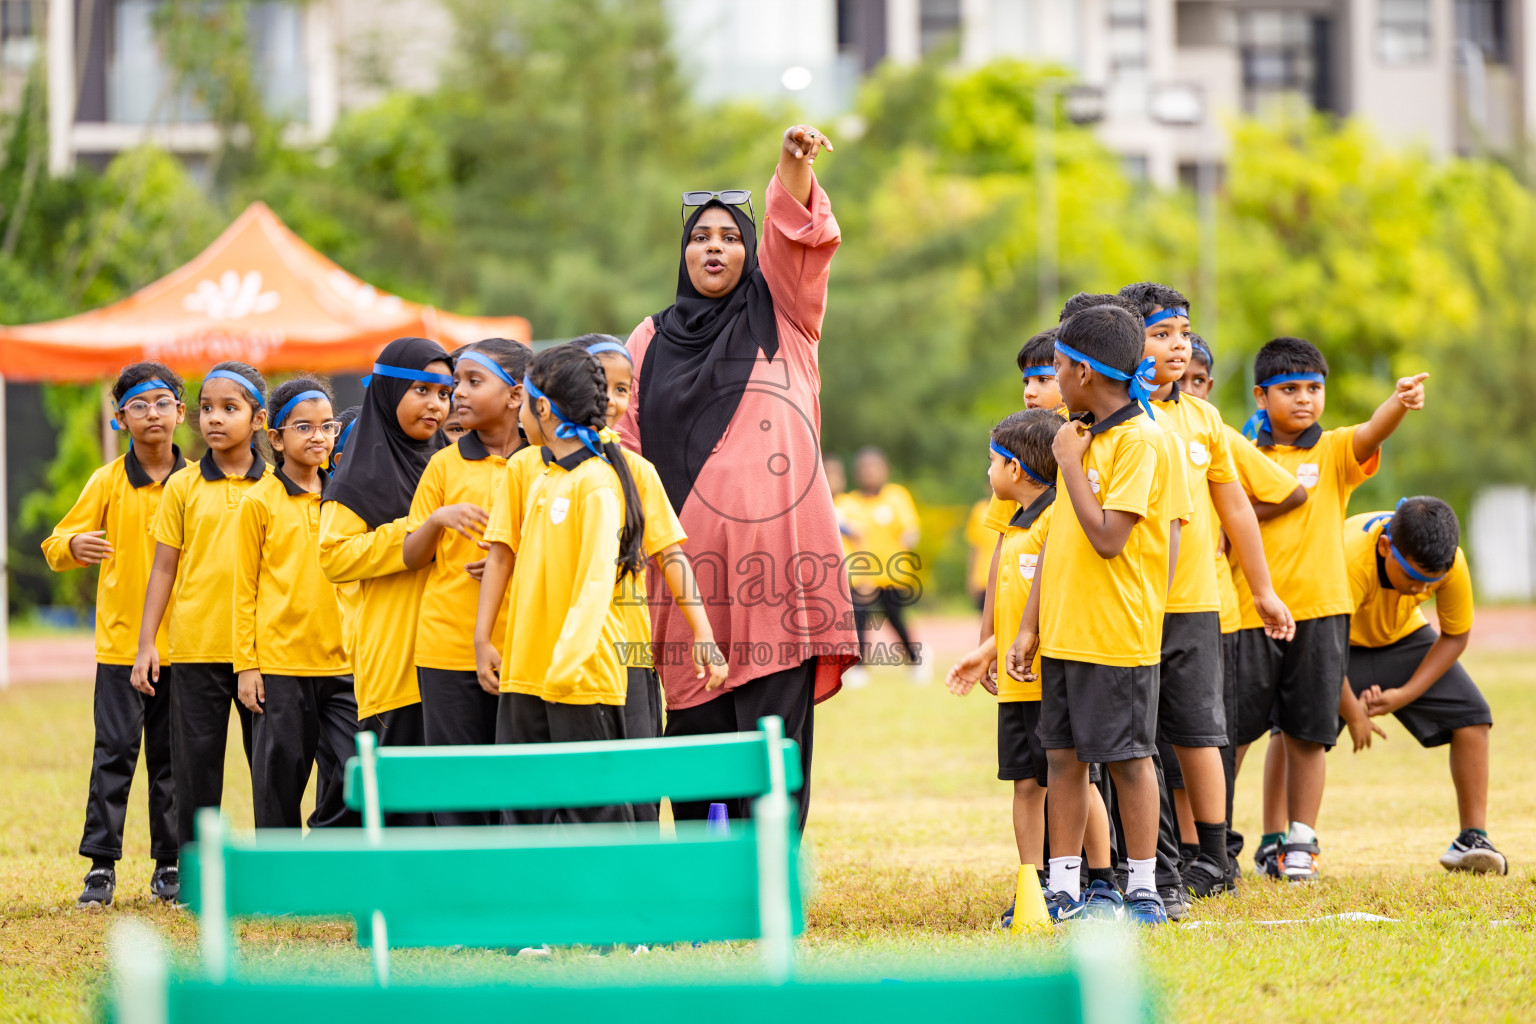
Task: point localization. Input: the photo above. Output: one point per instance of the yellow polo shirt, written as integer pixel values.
(286, 619)
(981, 542)
(385, 605)
(463, 472)
(1109, 611)
(1305, 547)
(662, 530)
(200, 517)
(1015, 576)
(1200, 444)
(564, 630)
(1382, 616)
(882, 520)
(1262, 479)
(122, 499)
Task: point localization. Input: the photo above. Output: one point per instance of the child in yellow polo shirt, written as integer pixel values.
(363, 517)
(1272, 492)
(293, 673)
(1096, 610)
(109, 526)
(563, 677)
(1191, 713)
(1022, 470)
(195, 531)
(448, 513)
(1399, 664)
(644, 704)
(882, 526)
(1298, 682)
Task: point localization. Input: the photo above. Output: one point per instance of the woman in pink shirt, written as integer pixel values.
(727, 406)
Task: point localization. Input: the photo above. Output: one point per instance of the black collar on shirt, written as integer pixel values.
(472, 448)
(1173, 396)
(139, 477)
(1024, 518)
(1308, 438)
(571, 461)
(211, 471)
(293, 489)
(1128, 411)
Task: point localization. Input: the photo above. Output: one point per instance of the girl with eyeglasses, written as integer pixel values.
(293, 672)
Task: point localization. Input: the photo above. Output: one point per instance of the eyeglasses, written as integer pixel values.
(139, 409)
(330, 428)
(730, 197)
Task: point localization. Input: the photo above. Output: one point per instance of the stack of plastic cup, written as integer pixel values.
(719, 821)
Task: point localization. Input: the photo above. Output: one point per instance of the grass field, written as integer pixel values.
(914, 859)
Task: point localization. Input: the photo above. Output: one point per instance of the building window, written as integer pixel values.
(18, 45)
(1127, 38)
(1482, 24)
(1402, 30)
(139, 82)
(1283, 62)
(938, 24)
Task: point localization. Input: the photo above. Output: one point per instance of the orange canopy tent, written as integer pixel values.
(258, 294)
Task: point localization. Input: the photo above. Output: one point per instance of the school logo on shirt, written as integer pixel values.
(1093, 480)
(558, 508)
(1307, 475)
(1027, 565)
(1199, 454)
(884, 515)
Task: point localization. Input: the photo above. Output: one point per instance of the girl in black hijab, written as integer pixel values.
(362, 529)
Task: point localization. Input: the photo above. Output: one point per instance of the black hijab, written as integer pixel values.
(698, 365)
(378, 477)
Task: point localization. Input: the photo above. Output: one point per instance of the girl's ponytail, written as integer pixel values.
(573, 379)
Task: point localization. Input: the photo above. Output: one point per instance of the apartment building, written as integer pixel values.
(1453, 75)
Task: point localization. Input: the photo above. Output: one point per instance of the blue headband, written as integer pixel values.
(567, 430)
(261, 400)
(1166, 314)
(490, 364)
(1258, 423)
(1005, 453)
(1392, 545)
(612, 346)
(1143, 381)
(341, 442)
(401, 373)
(139, 389)
(302, 396)
(1039, 371)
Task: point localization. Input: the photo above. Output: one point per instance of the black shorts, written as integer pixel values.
(1452, 702)
(1107, 712)
(1189, 706)
(1292, 684)
(1019, 753)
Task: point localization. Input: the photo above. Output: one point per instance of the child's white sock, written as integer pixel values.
(1301, 833)
(1066, 875)
(1143, 874)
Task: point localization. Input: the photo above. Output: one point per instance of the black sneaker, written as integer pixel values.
(100, 883)
(1471, 851)
(1266, 861)
(1173, 900)
(1203, 878)
(165, 884)
(1005, 919)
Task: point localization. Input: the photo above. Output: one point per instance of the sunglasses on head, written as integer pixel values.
(730, 197)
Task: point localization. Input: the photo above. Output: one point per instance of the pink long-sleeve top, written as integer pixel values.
(762, 534)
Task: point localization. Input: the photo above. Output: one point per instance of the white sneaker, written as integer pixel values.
(1471, 851)
(856, 677)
